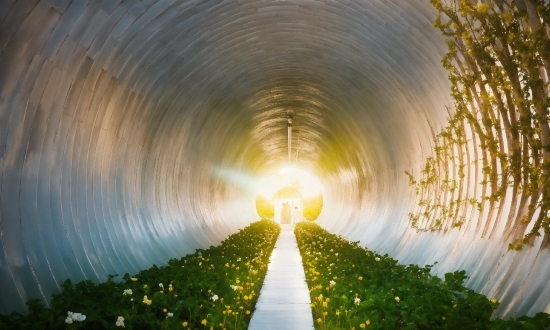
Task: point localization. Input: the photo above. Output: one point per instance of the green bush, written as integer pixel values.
(313, 206)
(265, 207)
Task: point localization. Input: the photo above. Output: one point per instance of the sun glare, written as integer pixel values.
(309, 185)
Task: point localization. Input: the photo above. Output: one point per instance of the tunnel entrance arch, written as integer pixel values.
(301, 191)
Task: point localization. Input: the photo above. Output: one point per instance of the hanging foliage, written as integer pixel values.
(491, 163)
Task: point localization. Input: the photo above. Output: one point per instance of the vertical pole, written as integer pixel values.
(289, 127)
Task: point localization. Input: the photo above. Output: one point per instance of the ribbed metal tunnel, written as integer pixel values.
(132, 132)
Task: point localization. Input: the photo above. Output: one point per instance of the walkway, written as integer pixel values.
(284, 299)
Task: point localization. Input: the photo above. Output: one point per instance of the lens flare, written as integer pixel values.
(307, 184)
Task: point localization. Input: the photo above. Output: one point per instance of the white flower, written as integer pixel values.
(161, 286)
(127, 292)
(357, 301)
(234, 287)
(336, 254)
(332, 283)
(397, 299)
(215, 297)
(169, 315)
(200, 263)
(377, 259)
(120, 322)
(71, 317)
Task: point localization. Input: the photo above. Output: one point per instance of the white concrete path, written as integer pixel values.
(284, 299)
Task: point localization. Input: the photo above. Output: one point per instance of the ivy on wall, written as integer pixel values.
(491, 164)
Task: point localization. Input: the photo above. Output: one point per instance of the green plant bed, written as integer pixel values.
(216, 288)
(354, 288)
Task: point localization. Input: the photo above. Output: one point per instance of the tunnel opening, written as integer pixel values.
(289, 195)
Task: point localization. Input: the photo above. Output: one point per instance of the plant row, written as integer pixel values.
(354, 288)
(215, 288)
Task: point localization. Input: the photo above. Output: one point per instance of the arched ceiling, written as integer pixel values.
(135, 131)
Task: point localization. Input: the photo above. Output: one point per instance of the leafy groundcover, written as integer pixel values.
(354, 288)
(215, 288)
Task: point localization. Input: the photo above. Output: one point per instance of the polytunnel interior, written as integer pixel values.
(132, 132)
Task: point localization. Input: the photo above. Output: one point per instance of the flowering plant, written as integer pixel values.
(194, 292)
(375, 292)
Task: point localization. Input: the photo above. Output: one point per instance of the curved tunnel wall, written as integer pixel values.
(133, 132)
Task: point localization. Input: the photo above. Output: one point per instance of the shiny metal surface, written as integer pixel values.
(133, 131)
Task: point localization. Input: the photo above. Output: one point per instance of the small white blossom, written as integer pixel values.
(169, 315)
(377, 259)
(161, 286)
(332, 282)
(120, 322)
(127, 292)
(71, 317)
(234, 287)
(215, 297)
(357, 301)
(397, 299)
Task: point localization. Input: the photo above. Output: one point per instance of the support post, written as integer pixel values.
(289, 127)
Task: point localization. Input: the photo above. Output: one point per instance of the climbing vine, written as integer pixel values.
(491, 163)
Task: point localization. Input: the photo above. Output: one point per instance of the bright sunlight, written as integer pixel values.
(287, 176)
(294, 187)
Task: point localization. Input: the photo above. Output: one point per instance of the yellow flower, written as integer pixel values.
(325, 304)
(245, 297)
(494, 301)
(320, 320)
(312, 304)
(367, 322)
(325, 313)
(362, 325)
(184, 324)
(145, 286)
(247, 312)
(165, 310)
(203, 322)
(360, 278)
(134, 279)
(149, 302)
